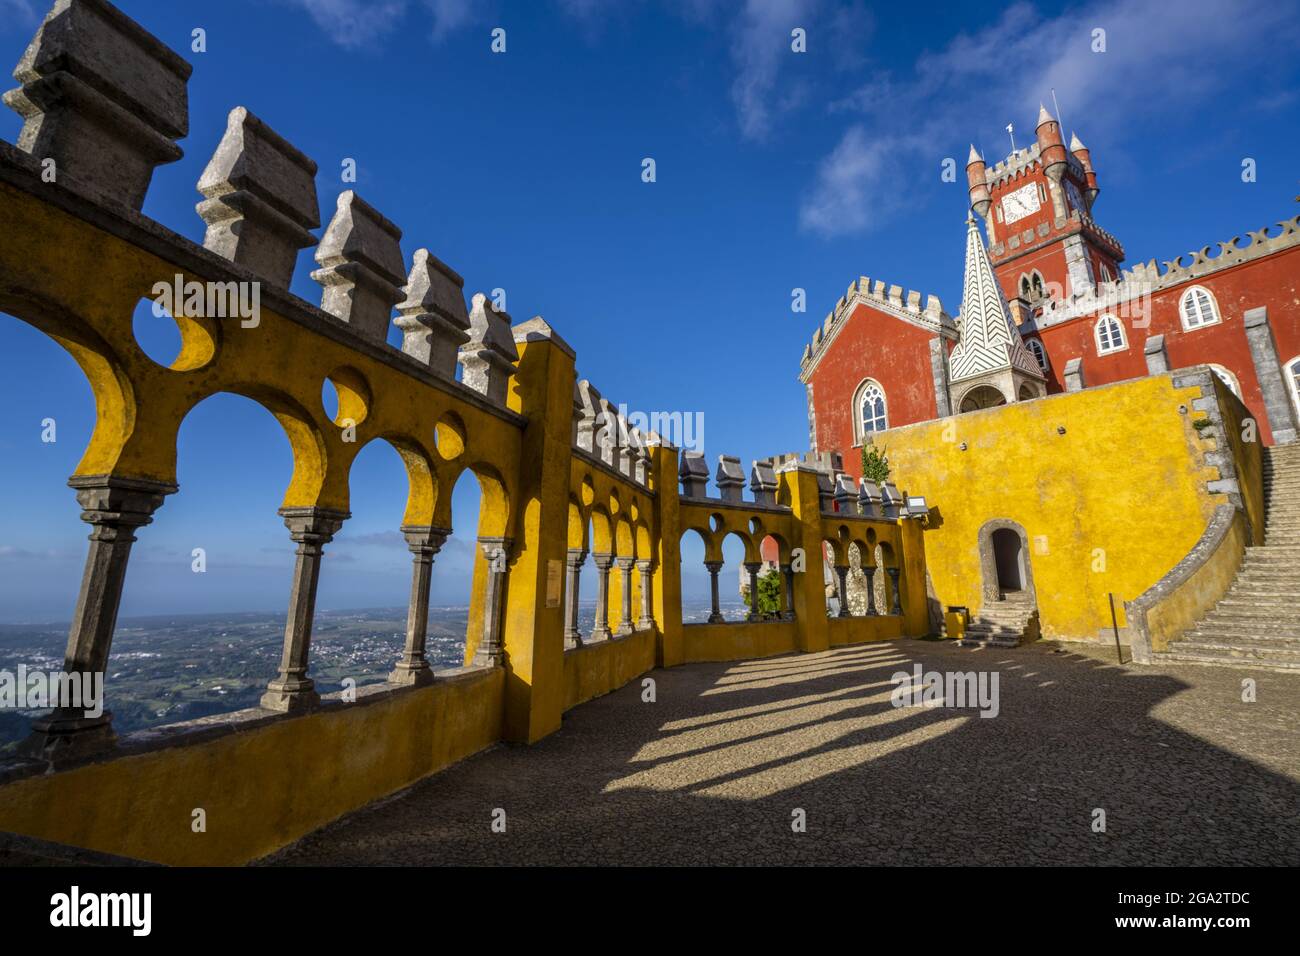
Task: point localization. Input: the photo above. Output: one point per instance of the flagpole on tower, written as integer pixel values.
(1011, 130)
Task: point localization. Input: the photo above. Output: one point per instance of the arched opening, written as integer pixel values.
(1008, 556)
(982, 396)
(365, 578)
(50, 417)
(1006, 569)
(696, 601)
(201, 626)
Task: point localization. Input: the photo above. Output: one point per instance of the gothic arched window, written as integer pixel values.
(1110, 335)
(1198, 308)
(1036, 349)
(869, 405)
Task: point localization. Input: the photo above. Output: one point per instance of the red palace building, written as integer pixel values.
(1056, 291)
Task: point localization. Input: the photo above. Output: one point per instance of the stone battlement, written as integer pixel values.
(890, 299)
(566, 481)
(1149, 277)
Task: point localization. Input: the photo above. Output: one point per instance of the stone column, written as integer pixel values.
(646, 620)
(424, 542)
(293, 691)
(753, 567)
(1272, 382)
(787, 572)
(625, 595)
(573, 561)
(114, 508)
(715, 617)
(870, 572)
(601, 631)
(842, 577)
(491, 650)
(896, 603)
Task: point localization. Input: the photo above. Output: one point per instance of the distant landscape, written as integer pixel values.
(180, 667)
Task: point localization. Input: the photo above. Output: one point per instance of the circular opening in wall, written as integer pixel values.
(715, 523)
(755, 526)
(588, 491)
(156, 332)
(345, 397)
(449, 436)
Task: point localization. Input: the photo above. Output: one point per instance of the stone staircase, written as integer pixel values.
(1257, 622)
(1003, 623)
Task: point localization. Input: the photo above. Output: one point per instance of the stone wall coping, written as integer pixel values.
(205, 729)
(21, 171)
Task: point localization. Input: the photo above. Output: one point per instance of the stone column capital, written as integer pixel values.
(123, 502)
(753, 567)
(575, 558)
(421, 539)
(644, 565)
(313, 525)
(493, 546)
(602, 559)
(625, 564)
(713, 566)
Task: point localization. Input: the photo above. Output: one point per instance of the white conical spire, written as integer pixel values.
(974, 157)
(1044, 116)
(1075, 143)
(989, 339)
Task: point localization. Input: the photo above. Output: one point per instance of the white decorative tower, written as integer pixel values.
(990, 364)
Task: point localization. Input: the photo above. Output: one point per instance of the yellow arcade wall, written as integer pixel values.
(1110, 485)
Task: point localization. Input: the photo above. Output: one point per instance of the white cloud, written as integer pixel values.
(449, 16)
(354, 23)
(1155, 60)
(762, 42)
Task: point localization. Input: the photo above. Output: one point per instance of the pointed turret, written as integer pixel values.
(1084, 156)
(1051, 147)
(977, 182)
(990, 356)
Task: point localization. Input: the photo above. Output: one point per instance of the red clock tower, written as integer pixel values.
(1037, 209)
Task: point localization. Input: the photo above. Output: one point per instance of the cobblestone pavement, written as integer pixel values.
(710, 773)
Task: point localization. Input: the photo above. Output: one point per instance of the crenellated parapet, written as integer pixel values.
(890, 299)
(563, 476)
(603, 432)
(1147, 278)
(102, 98)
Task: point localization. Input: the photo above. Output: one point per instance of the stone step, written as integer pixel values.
(1242, 631)
(1218, 660)
(1261, 596)
(1218, 647)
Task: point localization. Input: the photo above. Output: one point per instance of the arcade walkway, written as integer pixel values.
(710, 774)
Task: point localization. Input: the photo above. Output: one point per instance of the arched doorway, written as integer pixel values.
(982, 396)
(1006, 569)
(1009, 560)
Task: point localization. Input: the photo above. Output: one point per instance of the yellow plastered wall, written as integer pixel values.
(1109, 504)
(263, 787)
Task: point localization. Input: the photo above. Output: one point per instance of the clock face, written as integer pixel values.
(1021, 203)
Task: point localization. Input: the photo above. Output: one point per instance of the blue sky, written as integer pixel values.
(775, 170)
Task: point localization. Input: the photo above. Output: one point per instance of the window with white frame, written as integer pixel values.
(869, 406)
(1293, 381)
(1036, 349)
(1228, 378)
(1198, 308)
(1110, 335)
